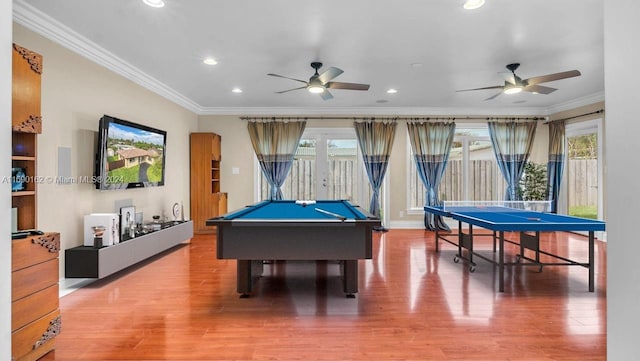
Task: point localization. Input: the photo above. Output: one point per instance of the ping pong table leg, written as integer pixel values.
(494, 241)
(437, 236)
(591, 266)
(460, 239)
(501, 263)
(470, 247)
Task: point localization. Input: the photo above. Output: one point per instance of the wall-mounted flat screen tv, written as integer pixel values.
(129, 155)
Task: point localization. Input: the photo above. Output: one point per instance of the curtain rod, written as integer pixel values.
(393, 118)
(577, 116)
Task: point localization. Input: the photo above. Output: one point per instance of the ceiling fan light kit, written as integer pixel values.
(154, 3)
(315, 89)
(514, 89)
(320, 83)
(472, 4)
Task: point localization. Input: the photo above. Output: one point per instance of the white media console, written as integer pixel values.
(90, 262)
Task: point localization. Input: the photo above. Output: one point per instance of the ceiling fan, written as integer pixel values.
(320, 83)
(514, 84)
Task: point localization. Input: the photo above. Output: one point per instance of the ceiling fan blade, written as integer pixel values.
(539, 89)
(286, 77)
(488, 87)
(348, 86)
(284, 91)
(493, 97)
(330, 74)
(326, 95)
(551, 77)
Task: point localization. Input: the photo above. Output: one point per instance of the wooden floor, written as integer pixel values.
(413, 304)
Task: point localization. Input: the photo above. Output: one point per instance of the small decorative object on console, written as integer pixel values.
(98, 232)
(127, 220)
(176, 211)
(111, 224)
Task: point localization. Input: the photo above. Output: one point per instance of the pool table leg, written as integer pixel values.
(248, 272)
(350, 277)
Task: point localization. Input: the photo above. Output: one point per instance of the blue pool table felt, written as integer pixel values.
(288, 209)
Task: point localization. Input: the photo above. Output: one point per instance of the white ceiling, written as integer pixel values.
(373, 41)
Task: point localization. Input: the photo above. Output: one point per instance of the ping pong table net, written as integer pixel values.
(496, 206)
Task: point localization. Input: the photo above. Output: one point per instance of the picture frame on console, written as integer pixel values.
(127, 219)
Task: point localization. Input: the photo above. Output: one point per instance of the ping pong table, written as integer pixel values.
(528, 223)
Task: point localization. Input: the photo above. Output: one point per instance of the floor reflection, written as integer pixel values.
(413, 303)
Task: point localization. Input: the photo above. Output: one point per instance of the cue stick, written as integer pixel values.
(340, 217)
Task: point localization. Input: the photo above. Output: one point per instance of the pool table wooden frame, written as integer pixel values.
(252, 241)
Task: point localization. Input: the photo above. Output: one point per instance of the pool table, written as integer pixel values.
(295, 230)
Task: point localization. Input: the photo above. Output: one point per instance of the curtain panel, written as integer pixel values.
(555, 165)
(512, 143)
(375, 140)
(431, 145)
(275, 144)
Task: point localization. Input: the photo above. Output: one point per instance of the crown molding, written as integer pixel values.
(35, 20)
(576, 103)
(380, 111)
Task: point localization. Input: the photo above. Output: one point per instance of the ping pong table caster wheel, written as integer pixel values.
(517, 258)
(472, 269)
(351, 295)
(540, 269)
(456, 259)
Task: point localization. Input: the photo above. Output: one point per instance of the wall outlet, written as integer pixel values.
(235, 170)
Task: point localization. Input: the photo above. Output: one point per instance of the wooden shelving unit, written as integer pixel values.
(206, 199)
(35, 314)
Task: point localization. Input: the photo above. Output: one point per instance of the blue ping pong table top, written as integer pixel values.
(516, 220)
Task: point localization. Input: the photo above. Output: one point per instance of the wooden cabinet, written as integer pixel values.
(35, 315)
(206, 199)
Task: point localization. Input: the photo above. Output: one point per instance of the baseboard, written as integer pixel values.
(69, 285)
(406, 224)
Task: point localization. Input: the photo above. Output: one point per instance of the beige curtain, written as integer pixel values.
(431, 144)
(555, 166)
(512, 143)
(275, 144)
(375, 140)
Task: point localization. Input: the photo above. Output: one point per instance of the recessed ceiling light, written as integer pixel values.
(236, 90)
(416, 65)
(154, 3)
(392, 91)
(210, 61)
(472, 4)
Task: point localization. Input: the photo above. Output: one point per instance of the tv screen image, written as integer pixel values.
(130, 155)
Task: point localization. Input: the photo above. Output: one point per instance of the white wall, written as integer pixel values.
(75, 94)
(622, 56)
(6, 14)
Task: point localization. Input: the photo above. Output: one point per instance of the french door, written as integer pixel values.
(327, 165)
(582, 181)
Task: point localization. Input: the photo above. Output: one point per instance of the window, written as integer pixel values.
(472, 172)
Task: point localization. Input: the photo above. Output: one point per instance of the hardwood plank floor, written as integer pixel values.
(413, 304)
